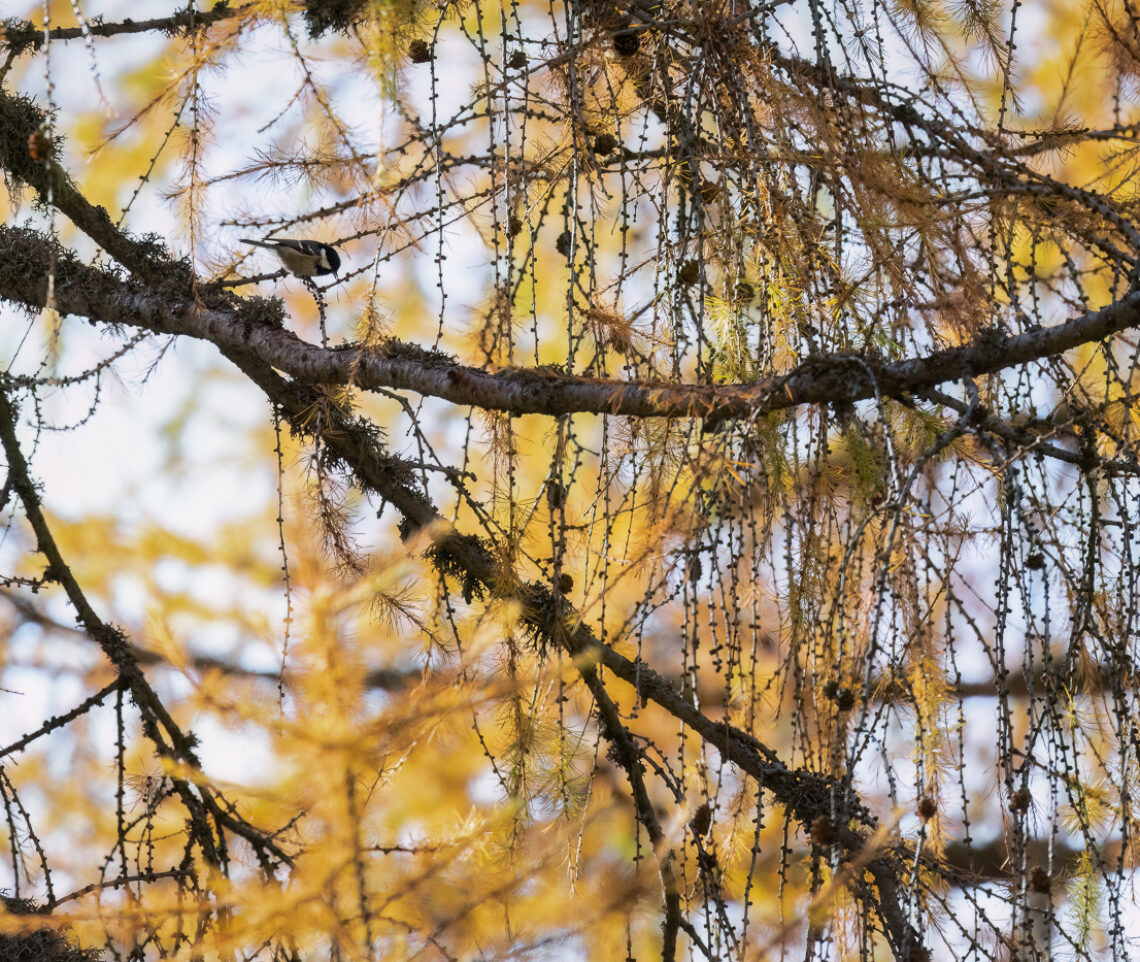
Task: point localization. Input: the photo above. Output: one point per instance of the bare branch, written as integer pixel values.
(23, 36)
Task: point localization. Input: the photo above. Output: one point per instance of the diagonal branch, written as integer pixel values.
(241, 333)
(65, 719)
(161, 297)
(168, 738)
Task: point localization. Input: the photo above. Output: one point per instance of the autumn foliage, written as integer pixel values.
(698, 521)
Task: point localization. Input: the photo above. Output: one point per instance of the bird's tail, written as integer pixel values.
(257, 243)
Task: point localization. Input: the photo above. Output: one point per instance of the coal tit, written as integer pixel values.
(303, 258)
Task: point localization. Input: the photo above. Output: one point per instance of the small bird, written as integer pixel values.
(302, 258)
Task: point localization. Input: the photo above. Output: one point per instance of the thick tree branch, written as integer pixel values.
(836, 378)
(243, 340)
(240, 338)
(161, 298)
(244, 337)
(251, 328)
(146, 259)
(23, 36)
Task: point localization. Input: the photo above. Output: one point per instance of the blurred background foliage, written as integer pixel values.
(928, 598)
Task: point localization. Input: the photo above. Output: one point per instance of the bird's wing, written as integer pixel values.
(277, 242)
